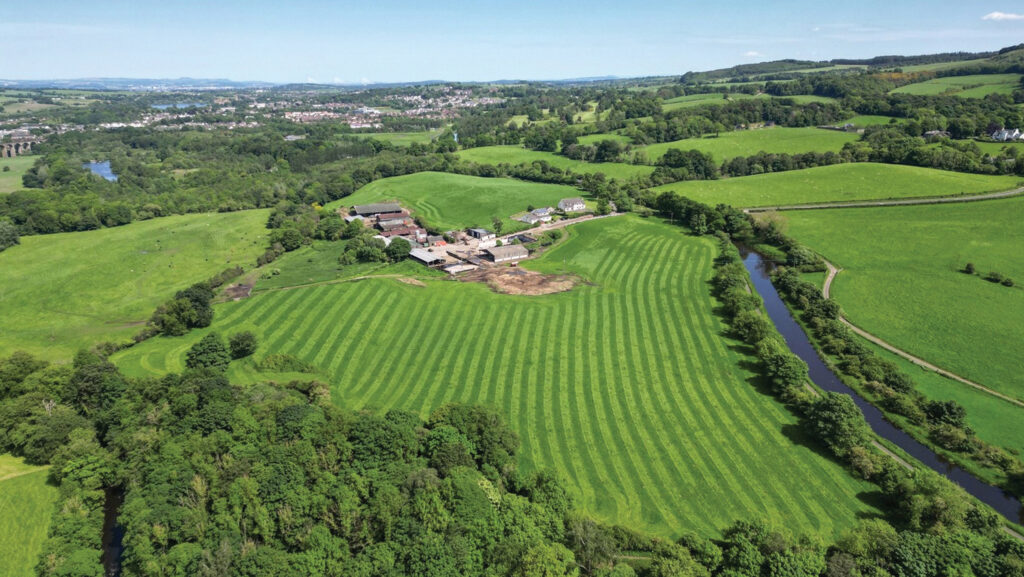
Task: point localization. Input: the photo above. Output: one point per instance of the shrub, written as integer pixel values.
(210, 352)
(282, 363)
(994, 277)
(969, 268)
(1007, 282)
(242, 344)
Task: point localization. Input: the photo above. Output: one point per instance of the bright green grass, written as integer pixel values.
(994, 148)
(691, 100)
(593, 139)
(901, 281)
(838, 183)
(452, 201)
(748, 142)
(11, 181)
(624, 386)
(318, 263)
(401, 138)
(26, 506)
(808, 98)
(61, 292)
(519, 155)
(974, 86)
(869, 120)
(941, 65)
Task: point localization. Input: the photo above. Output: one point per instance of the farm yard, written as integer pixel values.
(624, 385)
(902, 281)
(518, 155)
(728, 145)
(26, 504)
(975, 86)
(452, 201)
(73, 290)
(839, 183)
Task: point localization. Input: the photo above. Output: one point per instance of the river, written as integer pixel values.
(760, 269)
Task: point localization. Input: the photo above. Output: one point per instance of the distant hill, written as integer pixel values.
(139, 84)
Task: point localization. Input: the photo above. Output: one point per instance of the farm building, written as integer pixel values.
(538, 215)
(426, 257)
(377, 208)
(481, 233)
(508, 253)
(572, 205)
(350, 218)
(523, 238)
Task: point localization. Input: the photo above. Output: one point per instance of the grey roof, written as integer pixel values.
(573, 200)
(508, 251)
(425, 256)
(378, 208)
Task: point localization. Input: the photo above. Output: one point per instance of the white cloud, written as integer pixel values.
(753, 54)
(1002, 16)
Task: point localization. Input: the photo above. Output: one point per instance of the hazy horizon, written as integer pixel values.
(399, 41)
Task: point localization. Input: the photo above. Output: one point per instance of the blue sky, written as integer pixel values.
(391, 40)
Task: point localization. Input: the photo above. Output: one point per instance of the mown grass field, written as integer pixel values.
(747, 142)
(974, 86)
(593, 139)
(839, 183)
(453, 201)
(61, 292)
(318, 263)
(401, 138)
(518, 155)
(901, 281)
(26, 505)
(866, 120)
(10, 181)
(691, 100)
(624, 386)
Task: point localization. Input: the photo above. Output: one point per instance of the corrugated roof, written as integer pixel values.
(425, 256)
(508, 251)
(377, 208)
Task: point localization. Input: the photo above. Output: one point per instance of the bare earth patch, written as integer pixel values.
(518, 281)
(410, 281)
(238, 291)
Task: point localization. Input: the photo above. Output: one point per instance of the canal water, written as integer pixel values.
(101, 169)
(760, 271)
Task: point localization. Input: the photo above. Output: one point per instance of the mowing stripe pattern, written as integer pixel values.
(626, 386)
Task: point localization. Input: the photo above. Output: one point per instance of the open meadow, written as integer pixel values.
(691, 100)
(974, 86)
(401, 138)
(26, 504)
(10, 180)
(779, 139)
(518, 155)
(839, 183)
(624, 386)
(902, 281)
(453, 201)
(60, 292)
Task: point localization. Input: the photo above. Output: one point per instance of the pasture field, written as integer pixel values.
(808, 98)
(595, 138)
(691, 100)
(26, 506)
(10, 181)
(518, 155)
(453, 201)
(401, 138)
(838, 183)
(901, 281)
(997, 147)
(624, 386)
(318, 263)
(864, 121)
(974, 86)
(942, 65)
(61, 292)
(748, 142)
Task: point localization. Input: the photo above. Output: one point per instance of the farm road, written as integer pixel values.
(826, 291)
(900, 202)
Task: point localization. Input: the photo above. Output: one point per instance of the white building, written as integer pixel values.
(572, 205)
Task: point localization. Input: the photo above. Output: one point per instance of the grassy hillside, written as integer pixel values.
(840, 182)
(975, 86)
(902, 281)
(10, 181)
(747, 142)
(401, 138)
(26, 504)
(455, 201)
(60, 292)
(519, 155)
(624, 386)
(691, 100)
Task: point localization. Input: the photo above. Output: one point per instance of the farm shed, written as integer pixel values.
(426, 257)
(377, 208)
(508, 253)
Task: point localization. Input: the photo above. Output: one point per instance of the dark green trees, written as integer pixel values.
(209, 353)
(242, 344)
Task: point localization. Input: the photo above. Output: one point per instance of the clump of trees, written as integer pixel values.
(8, 234)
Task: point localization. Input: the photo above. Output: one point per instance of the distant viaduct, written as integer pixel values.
(12, 149)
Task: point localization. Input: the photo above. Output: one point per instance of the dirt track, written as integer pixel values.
(900, 202)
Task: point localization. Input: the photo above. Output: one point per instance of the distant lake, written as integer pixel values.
(101, 169)
(178, 105)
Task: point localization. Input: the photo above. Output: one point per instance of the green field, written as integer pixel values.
(593, 139)
(26, 505)
(318, 263)
(61, 292)
(401, 138)
(518, 155)
(691, 100)
(452, 201)
(748, 142)
(901, 281)
(624, 386)
(838, 183)
(808, 98)
(10, 181)
(975, 86)
(869, 120)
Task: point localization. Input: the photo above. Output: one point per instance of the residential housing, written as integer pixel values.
(572, 205)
